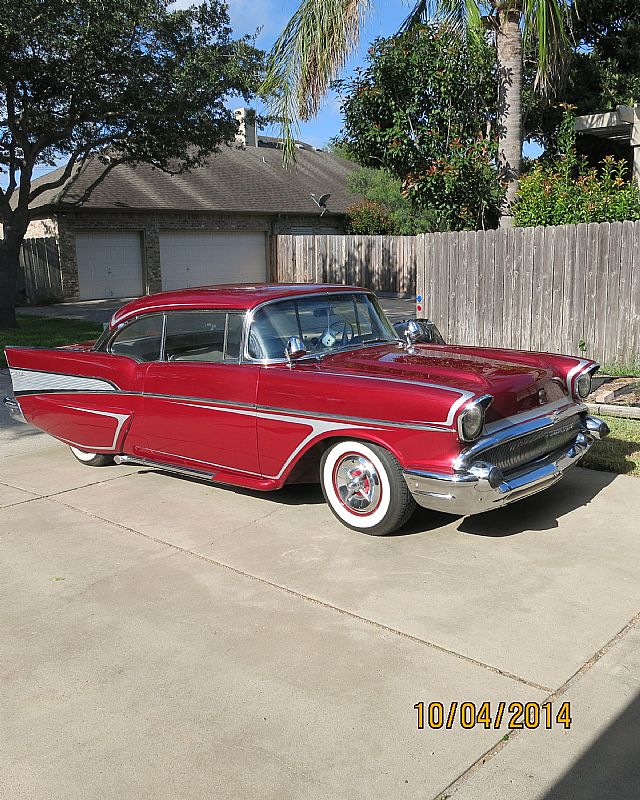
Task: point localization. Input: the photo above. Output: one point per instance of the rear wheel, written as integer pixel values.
(364, 487)
(92, 459)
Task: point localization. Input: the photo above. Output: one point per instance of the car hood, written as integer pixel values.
(515, 380)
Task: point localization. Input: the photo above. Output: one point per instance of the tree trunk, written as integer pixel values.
(9, 269)
(509, 45)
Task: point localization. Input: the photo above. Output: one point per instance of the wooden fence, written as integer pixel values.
(531, 288)
(40, 264)
(381, 263)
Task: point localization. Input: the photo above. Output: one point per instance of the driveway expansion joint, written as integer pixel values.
(309, 599)
(493, 751)
(55, 494)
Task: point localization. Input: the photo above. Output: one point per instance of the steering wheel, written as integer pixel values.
(342, 331)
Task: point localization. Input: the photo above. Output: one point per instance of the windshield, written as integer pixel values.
(325, 323)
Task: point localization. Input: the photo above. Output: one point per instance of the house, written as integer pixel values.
(142, 230)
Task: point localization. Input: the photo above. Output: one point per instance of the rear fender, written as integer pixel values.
(83, 398)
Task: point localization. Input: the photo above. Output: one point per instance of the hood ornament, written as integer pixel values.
(412, 333)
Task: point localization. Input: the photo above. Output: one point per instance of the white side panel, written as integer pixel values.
(27, 380)
(203, 258)
(109, 264)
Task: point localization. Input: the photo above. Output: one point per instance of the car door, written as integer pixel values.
(199, 400)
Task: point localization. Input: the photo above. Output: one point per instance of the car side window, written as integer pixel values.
(139, 339)
(210, 336)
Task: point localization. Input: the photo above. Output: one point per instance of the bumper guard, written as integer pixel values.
(14, 409)
(482, 487)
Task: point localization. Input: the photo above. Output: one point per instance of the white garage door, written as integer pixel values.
(109, 265)
(202, 258)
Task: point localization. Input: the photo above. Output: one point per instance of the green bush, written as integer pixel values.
(567, 191)
(381, 187)
(368, 217)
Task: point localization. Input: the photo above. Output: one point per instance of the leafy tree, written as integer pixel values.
(80, 77)
(401, 217)
(422, 109)
(315, 43)
(601, 71)
(566, 190)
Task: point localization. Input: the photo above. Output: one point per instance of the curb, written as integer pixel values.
(626, 412)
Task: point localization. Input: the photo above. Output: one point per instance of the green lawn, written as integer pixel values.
(620, 451)
(46, 332)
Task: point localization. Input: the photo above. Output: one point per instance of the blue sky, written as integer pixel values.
(272, 15)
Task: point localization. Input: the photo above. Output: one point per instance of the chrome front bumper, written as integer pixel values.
(481, 486)
(14, 409)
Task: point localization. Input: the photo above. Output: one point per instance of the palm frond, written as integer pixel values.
(462, 15)
(307, 57)
(546, 23)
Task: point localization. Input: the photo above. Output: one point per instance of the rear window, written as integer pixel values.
(139, 339)
(209, 336)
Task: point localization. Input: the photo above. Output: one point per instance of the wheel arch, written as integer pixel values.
(307, 462)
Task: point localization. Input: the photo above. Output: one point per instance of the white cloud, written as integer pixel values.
(247, 16)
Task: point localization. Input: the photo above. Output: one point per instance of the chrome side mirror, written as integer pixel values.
(295, 349)
(412, 333)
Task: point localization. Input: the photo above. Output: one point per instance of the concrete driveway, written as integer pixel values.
(162, 638)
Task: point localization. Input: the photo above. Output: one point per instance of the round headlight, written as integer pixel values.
(583, 385)
(471, 422)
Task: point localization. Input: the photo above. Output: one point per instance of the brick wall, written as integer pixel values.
(150, 224)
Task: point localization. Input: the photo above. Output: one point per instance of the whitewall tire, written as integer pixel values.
(364, 487)
(92, 459)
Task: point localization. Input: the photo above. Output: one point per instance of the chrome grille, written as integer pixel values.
(517, 452)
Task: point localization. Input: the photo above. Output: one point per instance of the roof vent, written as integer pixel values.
(246, 135)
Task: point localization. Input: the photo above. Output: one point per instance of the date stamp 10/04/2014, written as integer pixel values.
(511, 716)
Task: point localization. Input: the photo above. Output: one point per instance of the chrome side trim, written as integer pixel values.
(293, 414)
(317, 426)
(13, 407)
(120, 421)
(147, 462)
(224, 405)
(429, 426)
(464, 395)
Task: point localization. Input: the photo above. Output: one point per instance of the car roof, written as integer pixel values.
(235, 297)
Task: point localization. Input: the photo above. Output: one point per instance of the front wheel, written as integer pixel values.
(92, 459)
(364, 487)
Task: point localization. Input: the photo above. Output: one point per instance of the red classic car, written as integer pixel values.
(259, 386)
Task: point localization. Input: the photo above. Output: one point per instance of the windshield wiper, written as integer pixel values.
(354, 346)
(379, 339)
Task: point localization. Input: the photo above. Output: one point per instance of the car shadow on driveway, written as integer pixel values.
(537, 513)
(541, 511)
(296, 494)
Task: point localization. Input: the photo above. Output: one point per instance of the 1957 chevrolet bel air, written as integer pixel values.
(259, 386)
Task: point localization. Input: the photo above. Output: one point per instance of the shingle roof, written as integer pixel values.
(250, 180)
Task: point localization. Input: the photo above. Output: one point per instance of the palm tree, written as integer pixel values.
(314, 46)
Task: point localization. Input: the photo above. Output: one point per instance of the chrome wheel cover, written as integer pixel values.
(356, 484)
